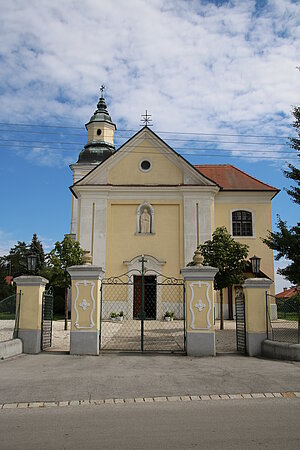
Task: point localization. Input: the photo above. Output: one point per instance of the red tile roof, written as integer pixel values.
(229, 178)
(288, 293)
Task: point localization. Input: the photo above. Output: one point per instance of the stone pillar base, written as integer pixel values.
(31, 340)
(84, 343)
(200, 344)
(254, 342)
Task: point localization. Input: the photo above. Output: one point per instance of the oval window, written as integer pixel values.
(98, 131)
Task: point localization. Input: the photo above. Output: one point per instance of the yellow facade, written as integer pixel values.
(124, 243)
(127, 171)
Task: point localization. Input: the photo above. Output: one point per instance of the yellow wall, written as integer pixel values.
(262, 221)
(31, 307)
(107, 132)
(127, 170)
(124, 244)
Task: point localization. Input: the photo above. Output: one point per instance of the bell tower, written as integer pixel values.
(99, 146)
(100, 139)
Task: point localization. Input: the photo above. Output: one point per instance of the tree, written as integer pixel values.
(229, 256)
(36, 248)
(65, 254)
(294, 173)
(286, 241)
(17, 259)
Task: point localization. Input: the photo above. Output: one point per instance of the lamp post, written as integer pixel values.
(31, 263)
(255, 264)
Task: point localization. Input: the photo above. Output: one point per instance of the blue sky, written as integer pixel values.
(224, 73)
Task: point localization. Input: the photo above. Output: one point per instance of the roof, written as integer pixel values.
(288, 293)
(231, 178)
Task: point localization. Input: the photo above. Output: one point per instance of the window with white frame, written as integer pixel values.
(242, 223)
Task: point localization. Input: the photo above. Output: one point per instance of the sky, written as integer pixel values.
(219, 78)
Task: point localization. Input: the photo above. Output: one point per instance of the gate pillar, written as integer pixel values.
(255, 313)
(31, 289)
(85, 309)
(200, 333)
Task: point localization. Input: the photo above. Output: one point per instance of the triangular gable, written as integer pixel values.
(99, 175)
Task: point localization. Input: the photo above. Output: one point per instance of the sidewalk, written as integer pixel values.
(52, 376)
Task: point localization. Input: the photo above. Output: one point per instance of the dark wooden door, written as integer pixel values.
(149, 296)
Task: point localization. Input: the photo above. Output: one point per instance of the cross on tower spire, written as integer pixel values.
(146, 119)
(102, 90)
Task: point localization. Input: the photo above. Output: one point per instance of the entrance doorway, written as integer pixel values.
(149, 297)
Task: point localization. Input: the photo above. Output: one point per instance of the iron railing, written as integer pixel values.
(10, 313)
(285, 326)
(142, 312)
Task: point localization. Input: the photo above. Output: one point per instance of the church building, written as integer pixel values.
(146, 199)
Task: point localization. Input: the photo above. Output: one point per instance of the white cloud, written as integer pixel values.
(194, 65)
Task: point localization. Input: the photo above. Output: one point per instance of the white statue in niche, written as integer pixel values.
(145, 222)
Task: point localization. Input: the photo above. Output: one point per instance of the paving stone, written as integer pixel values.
(277, 394)
(1, 405)
(297, 394)
(63, 403)
(235, 396)
(196, 397)
(109, 401)
(10, 405)
(148, 399)
(138, 400)
(98, 402)
(268, 394)
(203, 397)
(225, 397)
(74, 403)
(258, 395)
(85, 402)
(50, 404)
(174, 398)
(215, 397)
(247, 396)
(129, 400)
(288, 394)
(185, 398)
(160, 399)
(119, 400)
(36, 405)
(22, 405)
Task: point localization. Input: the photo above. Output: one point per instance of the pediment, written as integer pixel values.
(123, 167)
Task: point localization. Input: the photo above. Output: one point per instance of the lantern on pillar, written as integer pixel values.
(31, 263)
(255, 264)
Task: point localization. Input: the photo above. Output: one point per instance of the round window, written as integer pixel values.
(145, 165)
(98, 131)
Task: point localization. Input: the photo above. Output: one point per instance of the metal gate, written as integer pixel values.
(47, 317)
(142, 311)
(240, 324)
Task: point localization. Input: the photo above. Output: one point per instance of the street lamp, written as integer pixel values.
(255, 263)
(31, 262)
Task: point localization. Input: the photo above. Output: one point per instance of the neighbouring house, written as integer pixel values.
(288, 293)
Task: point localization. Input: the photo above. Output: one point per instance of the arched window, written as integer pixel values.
(242, 223)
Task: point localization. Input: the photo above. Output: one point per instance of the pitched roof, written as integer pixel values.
(232, 179)
(288, 293)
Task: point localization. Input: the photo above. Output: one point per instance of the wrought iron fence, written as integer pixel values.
(10, 317)
(142, 313)
(286, 327)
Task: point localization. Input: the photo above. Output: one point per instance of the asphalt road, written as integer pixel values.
(234, 424)
(59, 377)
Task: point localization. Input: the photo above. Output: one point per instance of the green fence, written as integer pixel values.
(286, 327)
(10, 317)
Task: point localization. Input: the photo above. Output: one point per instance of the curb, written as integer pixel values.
(169, 399)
